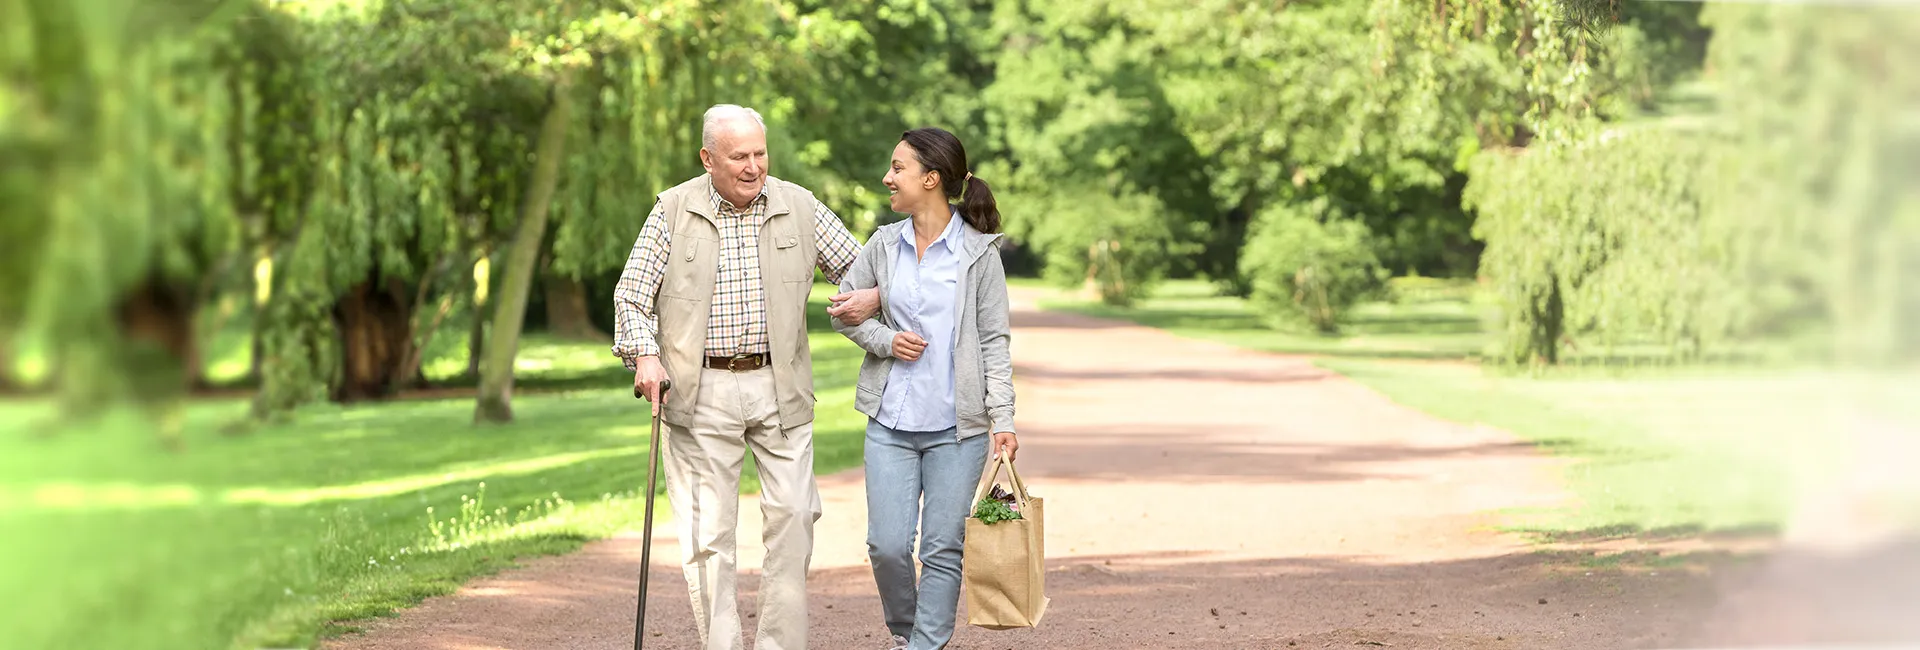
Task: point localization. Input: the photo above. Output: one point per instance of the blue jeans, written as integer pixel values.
(902, 467)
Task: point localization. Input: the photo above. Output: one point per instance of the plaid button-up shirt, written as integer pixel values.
(737, 321)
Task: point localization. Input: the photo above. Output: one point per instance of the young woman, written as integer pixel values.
(937, 382)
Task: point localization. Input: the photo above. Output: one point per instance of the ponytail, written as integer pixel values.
(938, 150)
(978, 208)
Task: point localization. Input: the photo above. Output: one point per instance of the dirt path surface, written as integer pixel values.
(1198, 496)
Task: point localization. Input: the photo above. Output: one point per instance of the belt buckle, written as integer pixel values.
(737, 357)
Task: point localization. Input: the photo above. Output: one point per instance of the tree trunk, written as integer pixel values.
(510, 309)
(1549, 314)
(567, 315)
(156, 322)
(259, 290)
(420, 335)
(410, 369)
(477, 341)
(375, 340)
(156, 325)
(257, 349)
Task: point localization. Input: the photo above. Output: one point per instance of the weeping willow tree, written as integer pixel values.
(415, 148)
(1817, 184)
(1780, 212)
(442, 134)
(1616, 254)
(117, 172)
(354, 164)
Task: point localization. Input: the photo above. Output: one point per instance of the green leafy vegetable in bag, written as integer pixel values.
(996, 507)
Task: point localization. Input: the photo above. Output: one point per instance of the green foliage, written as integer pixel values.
(1777, 210)
(380, 148)
(841, 80)
(1222, 109)
(1119, 246)
(115, 173)
(1310, 262)
(426, 118)
(991, 511)
(1098, 178)
(1616, 251)
(403, 183)
(1351, 101)
(1816, 191)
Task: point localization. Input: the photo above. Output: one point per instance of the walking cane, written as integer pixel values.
(646, 535)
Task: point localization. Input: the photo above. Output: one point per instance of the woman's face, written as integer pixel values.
(908, 183)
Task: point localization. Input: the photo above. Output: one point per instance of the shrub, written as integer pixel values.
(1309, 262)
(1121, 245)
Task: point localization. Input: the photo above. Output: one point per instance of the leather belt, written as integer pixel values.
(738, 362)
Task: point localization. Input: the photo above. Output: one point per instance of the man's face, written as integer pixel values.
(737, 161)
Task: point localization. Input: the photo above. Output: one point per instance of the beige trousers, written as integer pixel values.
(735, 411)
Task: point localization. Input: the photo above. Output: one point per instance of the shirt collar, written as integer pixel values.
(948, 235)
(721, 204)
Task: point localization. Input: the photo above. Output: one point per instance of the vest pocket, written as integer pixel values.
(689, 255)
(789, 260)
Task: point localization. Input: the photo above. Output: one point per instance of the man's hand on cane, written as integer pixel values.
(647, 377)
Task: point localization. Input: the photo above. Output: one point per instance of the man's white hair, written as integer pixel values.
(721, 113)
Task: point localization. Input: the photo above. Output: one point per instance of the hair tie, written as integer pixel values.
(969, 175)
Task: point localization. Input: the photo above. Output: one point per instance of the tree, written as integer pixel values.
(1617, 251)
(1565, 205)
(118, 176)
(404, 189)
(1097, 177)
(1814, 191)
(1309, 263)
(496, 376)
(411, 190)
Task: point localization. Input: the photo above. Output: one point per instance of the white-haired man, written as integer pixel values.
(714, 297)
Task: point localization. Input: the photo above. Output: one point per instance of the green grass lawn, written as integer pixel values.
(1654, 455)
(266, 539)
(1653, 451)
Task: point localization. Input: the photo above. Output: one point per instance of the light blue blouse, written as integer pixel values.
(922, 298)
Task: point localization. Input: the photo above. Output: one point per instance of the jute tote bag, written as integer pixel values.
(1004, 569)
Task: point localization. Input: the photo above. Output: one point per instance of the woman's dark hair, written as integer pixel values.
(937, 150)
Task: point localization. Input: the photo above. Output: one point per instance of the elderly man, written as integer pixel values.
(714, 297)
